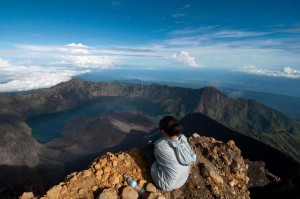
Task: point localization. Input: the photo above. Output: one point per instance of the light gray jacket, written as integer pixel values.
(172, 166)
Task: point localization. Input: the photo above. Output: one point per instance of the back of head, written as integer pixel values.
(170, 126)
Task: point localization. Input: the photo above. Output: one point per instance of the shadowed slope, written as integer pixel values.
(277, 162)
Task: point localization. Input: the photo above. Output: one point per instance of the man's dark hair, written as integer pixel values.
(170, 126)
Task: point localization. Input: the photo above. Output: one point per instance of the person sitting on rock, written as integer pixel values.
(173, 156)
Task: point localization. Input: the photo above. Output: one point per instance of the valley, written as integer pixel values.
(47, 127)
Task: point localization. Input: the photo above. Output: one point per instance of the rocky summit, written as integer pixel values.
(219, 172)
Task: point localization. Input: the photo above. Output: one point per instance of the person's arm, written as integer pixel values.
(185, 154)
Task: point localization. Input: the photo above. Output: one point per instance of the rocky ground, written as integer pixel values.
(220, 172)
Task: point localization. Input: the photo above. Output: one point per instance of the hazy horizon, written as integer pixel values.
(195, 78)
(43, 43)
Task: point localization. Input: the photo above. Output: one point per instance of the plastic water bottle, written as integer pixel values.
(134, 185)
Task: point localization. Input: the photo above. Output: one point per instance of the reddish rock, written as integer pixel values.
(219, 172)
(108, 194)
(113, 179)
(54, 192)
(150, 188)
(97, 166)
(99, 173)
(129, 193)
(107, 169)
(27, 195)
(86, 173)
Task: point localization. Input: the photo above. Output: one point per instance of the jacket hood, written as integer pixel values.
(184, 153)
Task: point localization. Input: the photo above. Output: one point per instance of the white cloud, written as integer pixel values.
(192, 31)
(218, 46)
(90, 61)
(61, 62)
(295, 28)
(205, 33)
(74, 45)
(4, 63)
(22, 78)
(236, 34)
(287, 72)
(231, 48)
(182, 41)
(73, 48)
(185, 58)
(79, 55)
(76, 54)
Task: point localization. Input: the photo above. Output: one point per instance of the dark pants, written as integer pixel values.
(149, 153)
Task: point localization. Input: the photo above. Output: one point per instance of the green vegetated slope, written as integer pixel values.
(288, 105)
(253, 119)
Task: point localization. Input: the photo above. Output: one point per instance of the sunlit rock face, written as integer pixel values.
(219, 171)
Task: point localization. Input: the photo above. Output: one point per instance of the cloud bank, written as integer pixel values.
(287, 72)
(79, 55)
(185, 58)
(217, 47)
(4, 63)
(24, 78)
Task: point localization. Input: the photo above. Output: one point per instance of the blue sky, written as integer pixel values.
(46, 42)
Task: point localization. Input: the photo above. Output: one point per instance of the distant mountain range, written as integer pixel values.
(247, 117)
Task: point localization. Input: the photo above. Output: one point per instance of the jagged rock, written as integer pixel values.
(80, 191)
(129, 193)
(108, 194)
(233, 182)
(231, 144)
(87, 173)
(113, 179)
(107, 169)
(151, 196)
(210, 177)
(27, 195)
(150, 188)
(142, 183)
(210, 172)
(97, 166)
(215, 190)
(259, 175)
(54, 192)
(99, 173)
(94, 188)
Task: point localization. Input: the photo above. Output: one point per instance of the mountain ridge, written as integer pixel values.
(247, 116)
(17, 108)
